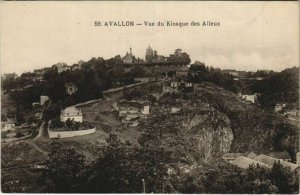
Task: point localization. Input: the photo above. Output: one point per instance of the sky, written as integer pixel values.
(251, 35)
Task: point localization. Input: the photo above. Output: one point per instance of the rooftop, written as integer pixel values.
(270, 161)
(244, 162)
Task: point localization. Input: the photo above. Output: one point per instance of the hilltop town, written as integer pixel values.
(160, 124)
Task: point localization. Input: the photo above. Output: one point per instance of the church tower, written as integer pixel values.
(149, 54)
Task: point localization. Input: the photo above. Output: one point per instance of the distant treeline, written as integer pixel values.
(279, 87)
(98, 74)
(274, 87)
(199, 72)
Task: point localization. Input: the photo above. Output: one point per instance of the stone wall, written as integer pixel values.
(66, 134)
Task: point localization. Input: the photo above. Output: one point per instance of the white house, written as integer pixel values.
(249, 98)
(170, 87)
(43, 99)
(279, 107)
(146, 110)
(5, 126)
(71, 113)
(175, 109)
(291, 114)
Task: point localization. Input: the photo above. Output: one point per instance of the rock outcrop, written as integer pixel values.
(194, 135)
(212, 131)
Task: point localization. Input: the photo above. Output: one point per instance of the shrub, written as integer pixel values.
(19, 134)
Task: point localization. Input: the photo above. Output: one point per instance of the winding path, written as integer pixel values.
(33, 144)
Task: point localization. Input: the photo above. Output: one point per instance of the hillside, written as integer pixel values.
(254, 128)
(228, 125)
(187, 128)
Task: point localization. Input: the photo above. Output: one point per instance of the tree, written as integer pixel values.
(51, 111)
(282, 178)
(113, 171)
(76, 125)
(122, 167)
(200, 72)
(69, 124)
(263, 187)
(56, 123)
(137, 71)
(63, 172)
(190, 186)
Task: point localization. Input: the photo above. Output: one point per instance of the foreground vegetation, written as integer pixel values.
(121, 167)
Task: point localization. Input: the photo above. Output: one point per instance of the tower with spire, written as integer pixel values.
(129, 58)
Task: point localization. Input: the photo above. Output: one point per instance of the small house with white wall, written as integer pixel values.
(248, 98)
(175, 109)
(71, 113)
(43, 99)
(291, 114)
(279, 107)
(5, 126)
(170, 87)
(146, 110)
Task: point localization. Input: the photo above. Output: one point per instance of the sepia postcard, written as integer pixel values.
(179, 97)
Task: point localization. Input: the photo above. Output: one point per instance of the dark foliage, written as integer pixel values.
(122, 168)
(221, 177)
(63, 170)
(279, 87)
(199, 73)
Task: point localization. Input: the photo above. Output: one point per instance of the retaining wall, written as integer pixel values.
(66, 134)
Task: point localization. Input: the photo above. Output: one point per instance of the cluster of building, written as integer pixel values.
(9, 76)
(244, 160)
(178, 86)
(35, 76)
(243, 75)
(130, 112)
(61, 66)
(292, 112)
(8, 123)
(38, 74)
(152, 56)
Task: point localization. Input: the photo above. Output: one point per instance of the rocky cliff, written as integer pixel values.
(191, 134)
(212, 131)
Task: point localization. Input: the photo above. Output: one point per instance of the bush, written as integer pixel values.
(19, 134)
(32, 119)
(72, 125)
(56, 123)
(3, 135)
